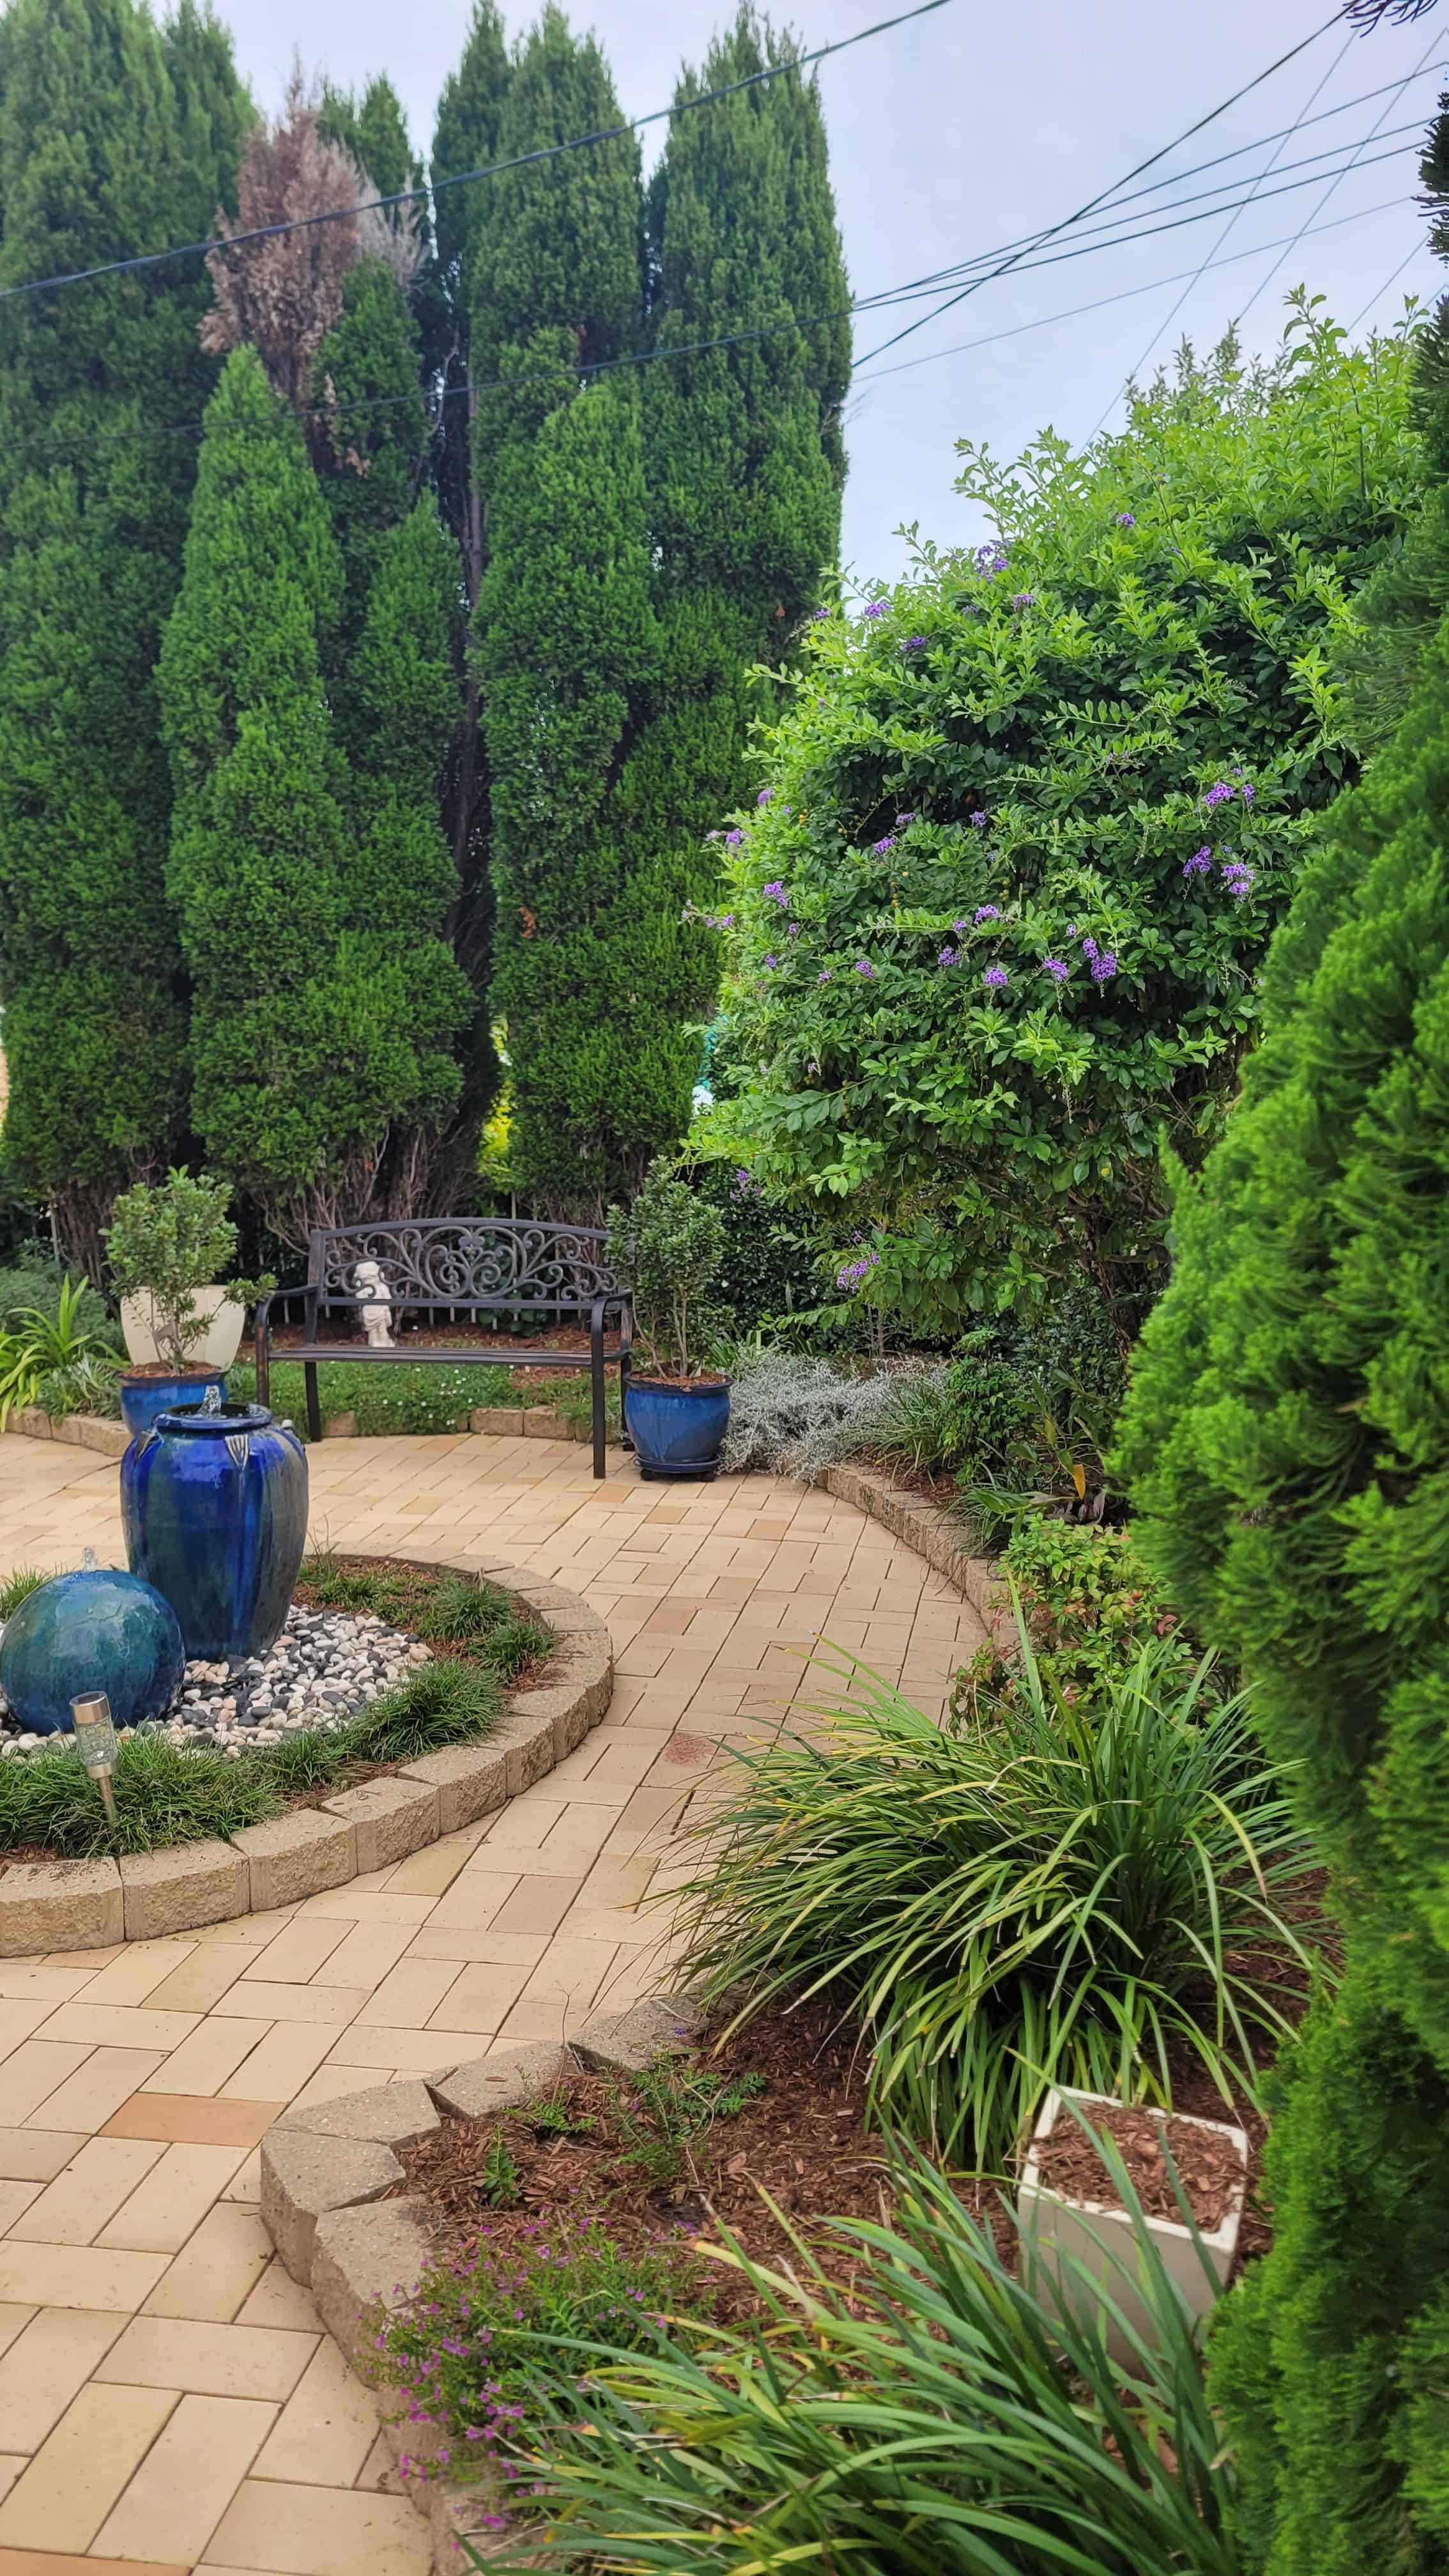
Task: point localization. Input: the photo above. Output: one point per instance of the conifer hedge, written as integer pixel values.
(1287, 1438)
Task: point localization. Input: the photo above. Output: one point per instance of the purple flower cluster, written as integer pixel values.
(745, 1186)
(994, 978)
(764, 796)
(987, 912)
(1199, 864)
(1104, 967)
(979, 819)
(949, 957)
(863, 966)
(877, 607)
(880, 847)
(1219, 794)
(914, 644)
(1239, 878)
(1023, 599)
(776, 892)
(771, 960)
(818, 613)
(854, 1271)
(1057, 968)
(1125, 519)
(734, 840)
(992, 556)
(824, 975)
(902, 820)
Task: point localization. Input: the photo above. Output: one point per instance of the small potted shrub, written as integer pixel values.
(667, 1250)
(168, 1246)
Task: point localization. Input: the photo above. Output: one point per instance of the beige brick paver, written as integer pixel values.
(167, 2398)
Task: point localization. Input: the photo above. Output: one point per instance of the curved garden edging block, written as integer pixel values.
(933, 1534)
(325, 2166)
(89, 1904)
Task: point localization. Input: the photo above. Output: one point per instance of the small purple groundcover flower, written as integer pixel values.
(877, 607)
(994, 978)
(1056, 967)
(1199, 864)
(776, 891)
(854, 1271)
(987, 912)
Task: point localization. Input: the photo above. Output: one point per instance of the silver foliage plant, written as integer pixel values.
(796, 1416)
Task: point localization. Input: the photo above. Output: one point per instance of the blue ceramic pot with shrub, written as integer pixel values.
(214, 1507)
(148, 1393)
(94, 1630)
(677, 1425)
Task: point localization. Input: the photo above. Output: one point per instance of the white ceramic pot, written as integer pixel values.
(211, 1342)
(1064, 2240)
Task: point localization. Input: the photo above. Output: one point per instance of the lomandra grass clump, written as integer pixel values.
(938, 2419)
(1084, 1895)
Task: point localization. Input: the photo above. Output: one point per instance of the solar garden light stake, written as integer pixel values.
(96, 1737)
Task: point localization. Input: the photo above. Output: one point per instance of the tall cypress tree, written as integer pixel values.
(324, 1009)
(567, 646)
(114, 136)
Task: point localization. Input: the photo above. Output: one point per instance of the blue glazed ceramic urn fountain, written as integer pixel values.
(214, 1507)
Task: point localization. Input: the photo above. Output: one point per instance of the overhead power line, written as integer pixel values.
(469, 178)
(1103, 194)
(1123, 294)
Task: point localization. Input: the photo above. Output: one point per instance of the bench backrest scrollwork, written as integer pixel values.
(480, 1262)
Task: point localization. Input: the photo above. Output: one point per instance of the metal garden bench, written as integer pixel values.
(504, 1266)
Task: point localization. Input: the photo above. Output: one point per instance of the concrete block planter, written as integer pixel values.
(85, 1904)
(1099, 2237)
(324, 2168)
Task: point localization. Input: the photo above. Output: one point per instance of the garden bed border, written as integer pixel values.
(326, 2165)
(936, 1535)
(90, 1904)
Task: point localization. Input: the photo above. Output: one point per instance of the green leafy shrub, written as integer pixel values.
(46, 1345)
(1093, 1606)
(488, 2336)
(1072, 1894)
(90, 1384)
(667, 1248)
(1031, 819)
(34, 1286)
(936, 2416)
(970, 1417)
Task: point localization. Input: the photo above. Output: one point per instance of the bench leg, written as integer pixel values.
(596, 1371)
(314, 1408)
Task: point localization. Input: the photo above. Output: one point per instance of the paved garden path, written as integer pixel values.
(167, 2398)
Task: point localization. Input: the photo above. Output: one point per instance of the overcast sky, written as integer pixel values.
(980, 124)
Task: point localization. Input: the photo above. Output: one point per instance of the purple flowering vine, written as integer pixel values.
(1199, 864)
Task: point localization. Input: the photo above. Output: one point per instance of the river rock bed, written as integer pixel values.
(324, 1665)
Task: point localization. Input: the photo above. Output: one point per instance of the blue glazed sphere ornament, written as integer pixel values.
(95, 1630)
(214, 1507)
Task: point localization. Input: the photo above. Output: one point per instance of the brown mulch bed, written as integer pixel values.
(801, 2140)
(1209, 2164)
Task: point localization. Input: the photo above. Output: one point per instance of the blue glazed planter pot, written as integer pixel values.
(214, 1507)
(143, 1399)
(677, 1430)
